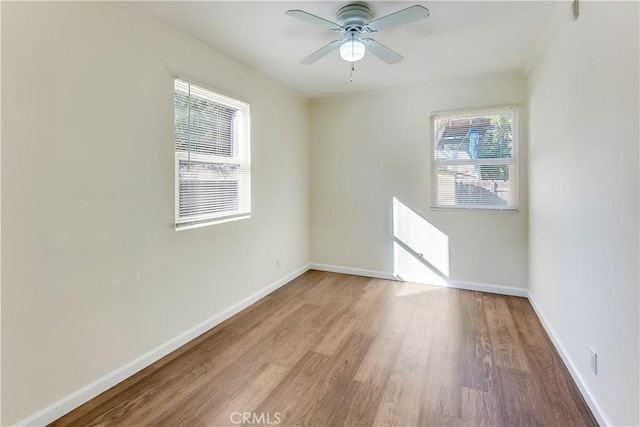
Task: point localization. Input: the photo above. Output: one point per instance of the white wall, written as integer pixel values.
(94, 274)
(584, 198)
(368, 148)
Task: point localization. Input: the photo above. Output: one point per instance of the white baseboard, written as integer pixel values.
(88, 392)
(485, 287)
(354, 271)
(601, 417)
(471, 286)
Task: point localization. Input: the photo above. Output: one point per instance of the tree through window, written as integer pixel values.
(474, 159)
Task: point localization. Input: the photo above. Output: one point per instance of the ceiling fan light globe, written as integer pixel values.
(352, 50)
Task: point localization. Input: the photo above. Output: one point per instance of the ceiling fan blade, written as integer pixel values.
(324, 50)
(306, 16)
(381, 51)
(404, 16)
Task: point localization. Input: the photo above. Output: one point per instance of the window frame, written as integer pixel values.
(513, 162)
(242, 158)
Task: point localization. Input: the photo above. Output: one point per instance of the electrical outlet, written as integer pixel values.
(278, 264)
(593, 361)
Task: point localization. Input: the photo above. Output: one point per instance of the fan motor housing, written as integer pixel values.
(354, 15)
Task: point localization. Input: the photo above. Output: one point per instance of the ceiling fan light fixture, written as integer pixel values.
(355, 20)
(352, 50)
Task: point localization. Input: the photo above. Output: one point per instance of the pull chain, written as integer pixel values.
(352, 68)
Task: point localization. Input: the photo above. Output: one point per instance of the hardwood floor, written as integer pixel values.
(332, 349)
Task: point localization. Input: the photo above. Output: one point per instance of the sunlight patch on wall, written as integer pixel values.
(410, 269)
(421, 237)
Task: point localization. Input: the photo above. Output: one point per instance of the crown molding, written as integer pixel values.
(132, 12)
(561, 9)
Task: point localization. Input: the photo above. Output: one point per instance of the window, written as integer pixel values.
(213, 168)
(475, 159)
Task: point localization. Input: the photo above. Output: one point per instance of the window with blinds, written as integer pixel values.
(475, 159)
(213, 168)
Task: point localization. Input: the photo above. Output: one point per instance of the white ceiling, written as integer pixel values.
(461, 39)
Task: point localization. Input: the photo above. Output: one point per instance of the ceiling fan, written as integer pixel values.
(354, 20)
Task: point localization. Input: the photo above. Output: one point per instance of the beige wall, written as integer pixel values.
(368, 148)
(584, 198)
(94, 274)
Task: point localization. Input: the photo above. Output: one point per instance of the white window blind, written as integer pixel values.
(475, 159)
(213, 168)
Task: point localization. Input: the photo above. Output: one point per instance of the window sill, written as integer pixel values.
(207, 222)
(463, 208)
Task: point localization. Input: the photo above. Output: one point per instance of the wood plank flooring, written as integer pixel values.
(330, 349)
